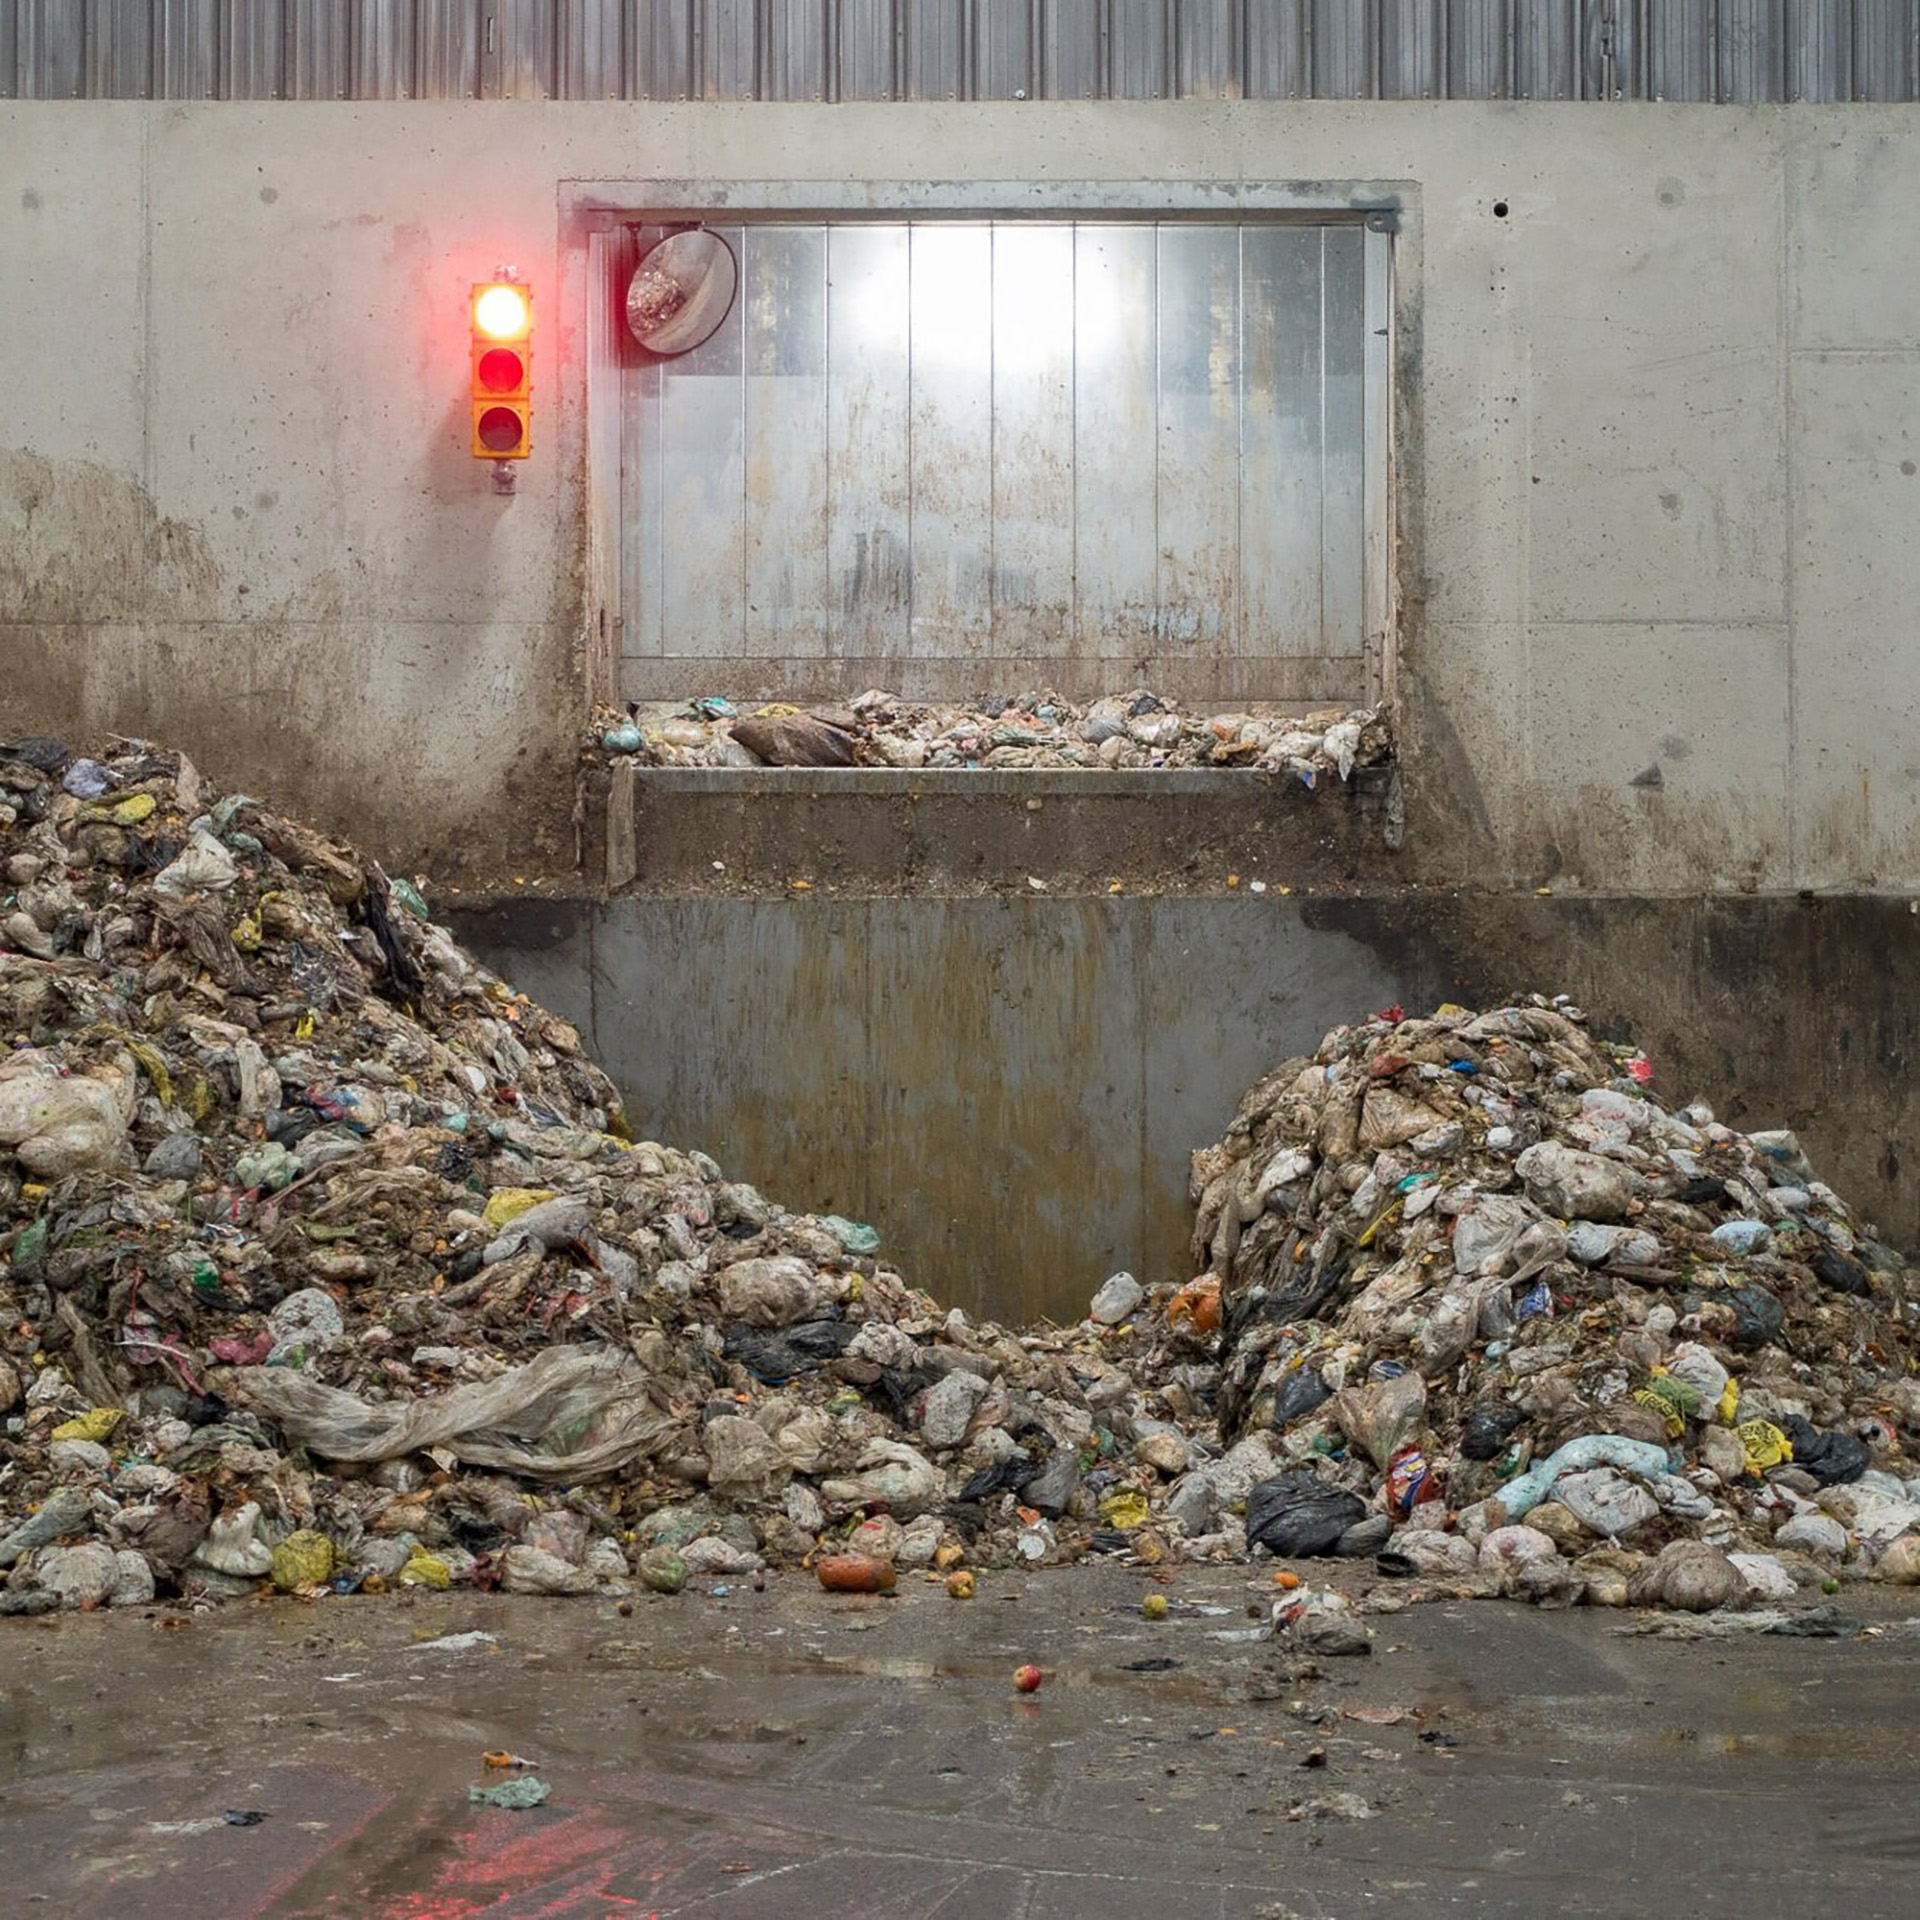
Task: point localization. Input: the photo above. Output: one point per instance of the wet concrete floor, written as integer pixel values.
(794, 1753)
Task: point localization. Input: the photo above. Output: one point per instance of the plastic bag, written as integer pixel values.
(1502, 1237)
(1606, 1502)
(776, 1358)
(1757, 1316)
(1832, 1458)
(1519, 1497)
(1297, 1515)
(1843, 1274)
(1300, 1392)
(1487, 1429)
(573, 1413)
(1766, 1446)
(1382, 1419)
(1688, 1575)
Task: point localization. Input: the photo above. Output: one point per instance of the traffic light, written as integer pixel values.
(502, 369)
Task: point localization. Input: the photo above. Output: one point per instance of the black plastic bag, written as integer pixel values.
(1703, 1192)
(1004, 1476)
(1840, 1273)
(1757, 1316)
(1489, 1425)
(1299, 1394)
(1832, 1458)
(373, 910)
(775, 1358)
(1296, 1515)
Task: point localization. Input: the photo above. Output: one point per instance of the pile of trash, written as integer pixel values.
(327, 1260)
(1490, 1309)
(1036, 730)
(328, 1263)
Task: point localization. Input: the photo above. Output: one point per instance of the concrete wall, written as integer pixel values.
(1659, 434)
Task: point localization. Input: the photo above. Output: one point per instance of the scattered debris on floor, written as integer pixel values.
(1138, 729)
(328, 1266)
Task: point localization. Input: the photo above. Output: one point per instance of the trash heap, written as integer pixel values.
(328, 1264)
(1035, 730)
(1491, 1310)
(326, 1261)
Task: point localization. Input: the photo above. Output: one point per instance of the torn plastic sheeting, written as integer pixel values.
(573, 1413)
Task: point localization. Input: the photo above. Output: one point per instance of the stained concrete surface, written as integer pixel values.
(791, 1753)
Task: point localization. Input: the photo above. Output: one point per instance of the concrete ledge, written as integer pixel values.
(955, 831)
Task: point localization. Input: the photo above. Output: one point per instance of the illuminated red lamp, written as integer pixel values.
(502, 370)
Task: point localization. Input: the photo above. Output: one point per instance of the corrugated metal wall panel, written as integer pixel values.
(52, 43)
(1005, 33)
(317, 66)
(660, 50)
(1410, 44)
(592, 59)
(1822, 51)
(1276, 50)
(252, 57)
(187, 49)
(383, 35)
(451, 38)
(1615, 49)
(119, 49)
(1680, 53)
(520, 65)
(1072, 66)
(729, 52)
(933, 44)
(1478, 49)
(1546, 50)
(1739, 51)
(1138, 67)
(1346, 34)
(797, 46)
(1752, 52)
(1208, 62)
(865, 51)
(1883, 50)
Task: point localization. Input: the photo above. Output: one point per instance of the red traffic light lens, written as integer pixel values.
(500, 430)
(501, 312)
(501, 370)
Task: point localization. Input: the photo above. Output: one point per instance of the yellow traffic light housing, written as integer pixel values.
(502, 369)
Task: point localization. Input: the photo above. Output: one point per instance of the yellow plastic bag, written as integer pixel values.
(1125, 1510)
(302, 1559)
(425, 1570)
(509, 1203)
(123, 813)
(95, 1425)
(1766, 1445)
(152, 1065)
(1676, 1421)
